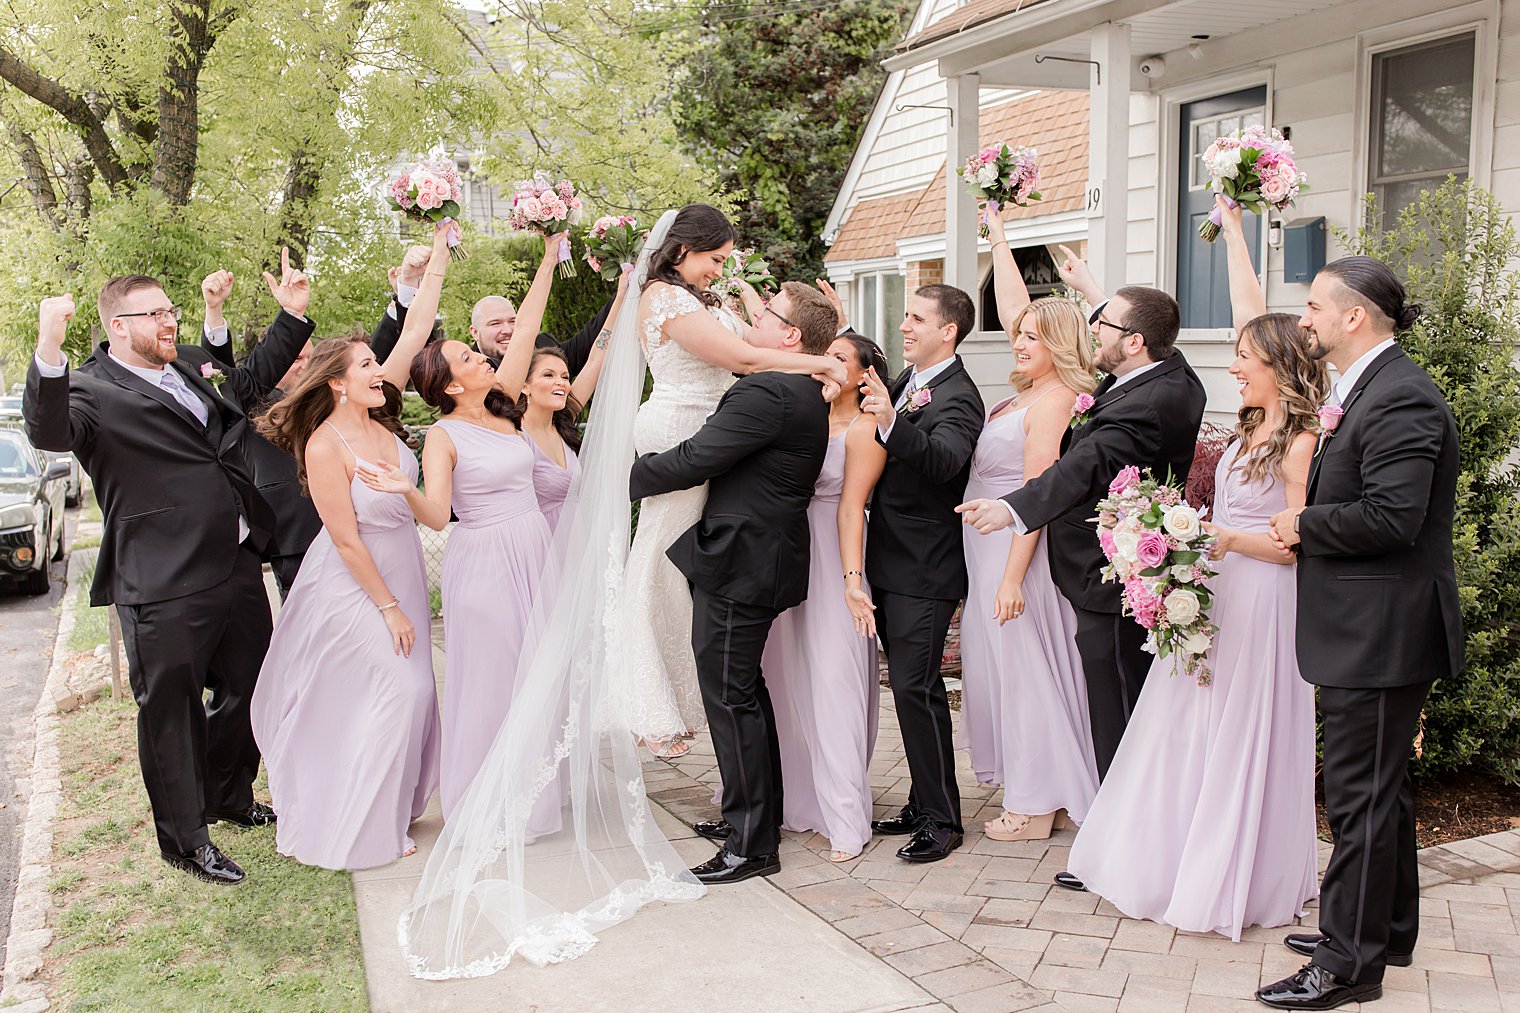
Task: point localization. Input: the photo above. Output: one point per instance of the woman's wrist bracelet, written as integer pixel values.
(393, 603)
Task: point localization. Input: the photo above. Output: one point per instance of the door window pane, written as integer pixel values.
(1422, 119)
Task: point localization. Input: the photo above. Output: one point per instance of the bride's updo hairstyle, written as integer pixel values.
(1302, 385)
(699, 228)
(1372, 284)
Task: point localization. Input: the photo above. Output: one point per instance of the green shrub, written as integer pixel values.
(1456, 250)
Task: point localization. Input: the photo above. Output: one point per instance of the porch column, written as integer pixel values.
(1108, 156)
(960, 206)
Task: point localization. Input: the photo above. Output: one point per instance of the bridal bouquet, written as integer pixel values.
(430, 192)
(999, 176)
(1157, 548)
(544, 207)
(1253, 168)
(612, 245)
(743, 265)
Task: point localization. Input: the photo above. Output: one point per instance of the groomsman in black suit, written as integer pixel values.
(928, 421)
(1378, 623)
(747, 560)
(163, 443)
(1146, 414)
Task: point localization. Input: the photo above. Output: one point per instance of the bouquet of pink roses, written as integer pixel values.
(612, 245)
(998, 176)
(430, 191)
(1252, 168)
(1157, 548)
(744, 265)
(545, 207)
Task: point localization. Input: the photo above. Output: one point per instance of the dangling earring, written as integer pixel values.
(343, 395)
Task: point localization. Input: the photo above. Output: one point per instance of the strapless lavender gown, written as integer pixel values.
(1206, 819)
(551, 482)
(822, 680)
(1024, 698)
(348, 727)
(490, 570)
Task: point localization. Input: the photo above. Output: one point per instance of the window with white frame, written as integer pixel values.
(880, 302)
(1422, 119)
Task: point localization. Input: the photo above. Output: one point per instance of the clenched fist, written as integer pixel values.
(215, 288)
(53, 317)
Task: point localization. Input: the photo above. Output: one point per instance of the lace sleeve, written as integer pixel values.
(667, 303)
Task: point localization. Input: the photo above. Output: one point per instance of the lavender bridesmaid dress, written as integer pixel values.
(1024, 697)
(1206, 819)
(822, 680)
(348, 727)
(490, 570)
(551, 482)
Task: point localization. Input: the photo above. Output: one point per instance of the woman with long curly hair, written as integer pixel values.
(345, 711)
(1230, 841)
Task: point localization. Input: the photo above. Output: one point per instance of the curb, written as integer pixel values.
(30, 934)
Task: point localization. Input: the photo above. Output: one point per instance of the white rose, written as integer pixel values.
(1125, 543)
(1183, 573)
(1130, 524)
(1181, 521)
(1197, 644)
(423, 174)
(1182, 607)
(987, 175)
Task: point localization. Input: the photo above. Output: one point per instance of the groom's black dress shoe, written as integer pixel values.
(208, 863)
(1313, 987)
(256, 815)
(1305, 942)
(1071, 882)
(713, 830)
(907, 821)
(930, 844)
(726, 867)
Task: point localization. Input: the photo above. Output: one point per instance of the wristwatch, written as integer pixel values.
(1295, 521)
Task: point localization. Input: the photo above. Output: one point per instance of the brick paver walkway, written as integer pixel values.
(985, 931)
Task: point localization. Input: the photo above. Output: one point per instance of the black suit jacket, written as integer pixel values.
(388, 331)
(761, 451)
(1377, 589)
(1150, 422)
(913, 541)
(274, 471)
(170, 490)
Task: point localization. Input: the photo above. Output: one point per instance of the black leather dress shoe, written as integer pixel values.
(1313, 987)
(208, 863)
(930, 844)
(1071, 882)
(713, 830)
(1305, 942)
(256, 815)
(907, 821)
(725, 867)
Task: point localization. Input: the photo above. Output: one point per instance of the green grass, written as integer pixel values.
(91, 625)
(132, 934)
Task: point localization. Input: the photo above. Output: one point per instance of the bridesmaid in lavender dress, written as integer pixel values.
(1230, 841)
(1025, 698)
(822, 682)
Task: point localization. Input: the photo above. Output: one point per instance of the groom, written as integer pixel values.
(747, 560)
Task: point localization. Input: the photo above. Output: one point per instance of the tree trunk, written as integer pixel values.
(175, 155)
(35, 178)
(301, 182)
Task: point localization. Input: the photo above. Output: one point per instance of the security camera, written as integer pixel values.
(1153, 67)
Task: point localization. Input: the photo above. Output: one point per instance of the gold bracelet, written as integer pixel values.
(393, 603)
(851, 573)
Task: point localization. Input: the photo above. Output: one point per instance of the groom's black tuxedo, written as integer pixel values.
(1378, 623)
(747, 560)
(191, 598)
(1150, 422)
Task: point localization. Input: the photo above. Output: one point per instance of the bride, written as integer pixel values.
(485, 894)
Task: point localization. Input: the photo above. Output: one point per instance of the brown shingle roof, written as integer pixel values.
(970, 15)
(870, 229)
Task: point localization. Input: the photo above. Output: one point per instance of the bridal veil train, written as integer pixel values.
(490, 890)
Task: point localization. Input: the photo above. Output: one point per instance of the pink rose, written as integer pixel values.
(920, 398)
(531, 208)
(1330, 417)
(1126, 480)
(1082, 405)
(1152, 549)
(596, 264)
(1106, 541)
(207, 369)
(1276, 186)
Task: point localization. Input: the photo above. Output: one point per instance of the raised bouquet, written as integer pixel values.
(743, 265)
(612, 245)
(1157, 548)
(430, 191)
(1000, 176)
(1253, 168)
(544, 207)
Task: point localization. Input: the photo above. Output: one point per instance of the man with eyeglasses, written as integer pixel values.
(160, 428)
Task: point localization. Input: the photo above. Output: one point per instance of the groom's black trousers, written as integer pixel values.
(912, 631)
(1114, 665)
(728, 638)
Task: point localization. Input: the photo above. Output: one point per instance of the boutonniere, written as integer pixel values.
(1329, 420)
(1080, 409)
(214, 376)
(918, 399)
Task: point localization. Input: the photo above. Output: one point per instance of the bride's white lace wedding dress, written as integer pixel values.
(656, 689)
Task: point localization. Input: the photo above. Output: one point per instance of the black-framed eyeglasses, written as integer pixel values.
(1104, 322)
(778, 316)
(159, 316)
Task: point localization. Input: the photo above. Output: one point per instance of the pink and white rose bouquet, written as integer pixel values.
(430, 191)
(612, 245)
(1254, 169)
(743, 264)
(999, 176)
(1158, 550)
(545, 207)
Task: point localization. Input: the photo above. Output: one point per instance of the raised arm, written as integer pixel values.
(57, 417)
(403, 281)
(215, 336)
(1007, 282)
(584, 384)
(864, 460)
(519, 354)
(1247, 302)
(578, 348)
(420, 315)
(689, 325)
(1075, 272)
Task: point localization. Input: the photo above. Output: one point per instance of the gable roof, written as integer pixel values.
(977, 12)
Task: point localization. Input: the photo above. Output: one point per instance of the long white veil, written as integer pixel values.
(554, 841)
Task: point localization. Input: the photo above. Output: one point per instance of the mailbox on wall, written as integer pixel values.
(1303, 249)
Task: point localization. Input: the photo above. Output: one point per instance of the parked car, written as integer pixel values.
(31, 512)
(10, 416)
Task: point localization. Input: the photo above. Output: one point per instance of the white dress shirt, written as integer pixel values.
(920, 379)
(1353, 373)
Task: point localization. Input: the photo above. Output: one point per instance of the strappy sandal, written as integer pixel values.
(840, 857)
(667, 749)
(1019, 827)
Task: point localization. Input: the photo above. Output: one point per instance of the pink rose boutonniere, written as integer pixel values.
(1080, 409)
(1329, 420)
(215, 376)
(919, 399)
